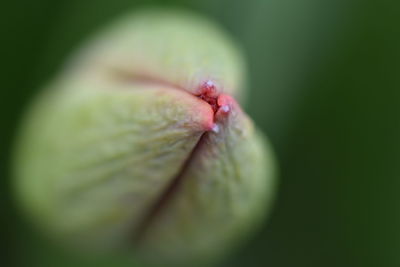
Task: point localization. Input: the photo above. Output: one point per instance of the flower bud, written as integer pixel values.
(139, 143)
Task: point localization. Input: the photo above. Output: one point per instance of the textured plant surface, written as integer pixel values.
(139, 143)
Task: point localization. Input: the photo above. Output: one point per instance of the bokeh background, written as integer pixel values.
(325, 87)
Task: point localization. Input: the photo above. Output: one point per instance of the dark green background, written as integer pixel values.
(325, 87)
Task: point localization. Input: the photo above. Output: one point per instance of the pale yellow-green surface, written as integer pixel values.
(226, 191)
(174, 47)
(92, 161)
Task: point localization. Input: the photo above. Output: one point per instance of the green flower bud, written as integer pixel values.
(140, 144)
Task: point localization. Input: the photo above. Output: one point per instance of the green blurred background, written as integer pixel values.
(325, 87)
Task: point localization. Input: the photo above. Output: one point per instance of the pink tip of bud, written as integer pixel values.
(209, 83)
(225, 108)
(215, 128)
